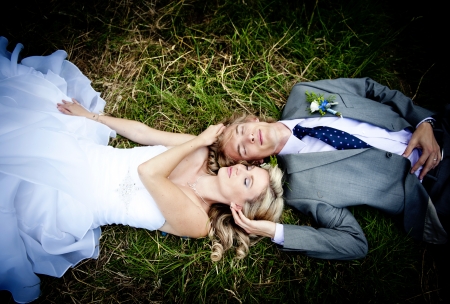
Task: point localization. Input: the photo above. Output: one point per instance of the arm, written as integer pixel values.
(423, 136)
(339, 237)
(182, 216)
(350, 90)
(133, 130)
(370, 89)
(399, 102)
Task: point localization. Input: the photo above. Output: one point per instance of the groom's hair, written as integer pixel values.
(236, 119)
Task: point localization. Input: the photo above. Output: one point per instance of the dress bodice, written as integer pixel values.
(121, 198)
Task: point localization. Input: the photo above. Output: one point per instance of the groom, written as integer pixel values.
(400, 168)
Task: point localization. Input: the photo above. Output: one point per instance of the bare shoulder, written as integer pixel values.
(192, 221)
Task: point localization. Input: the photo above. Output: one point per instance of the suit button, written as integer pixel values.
(388, 154)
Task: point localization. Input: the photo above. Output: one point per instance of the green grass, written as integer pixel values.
(182, 65)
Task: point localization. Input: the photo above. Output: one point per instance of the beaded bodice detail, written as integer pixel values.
(121, 196)
(127, 190)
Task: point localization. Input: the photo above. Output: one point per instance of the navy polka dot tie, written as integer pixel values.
(338, 139)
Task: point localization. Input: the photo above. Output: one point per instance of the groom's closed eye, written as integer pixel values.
(240, 149)
(238, 146)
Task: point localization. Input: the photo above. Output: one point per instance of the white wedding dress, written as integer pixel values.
(59, 181)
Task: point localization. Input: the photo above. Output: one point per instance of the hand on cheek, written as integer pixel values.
(235, 206)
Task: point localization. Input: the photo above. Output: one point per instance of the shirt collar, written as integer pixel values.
(293, 145)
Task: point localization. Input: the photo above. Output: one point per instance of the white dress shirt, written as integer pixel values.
(394, 142)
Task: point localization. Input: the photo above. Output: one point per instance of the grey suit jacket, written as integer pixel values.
(323, 184)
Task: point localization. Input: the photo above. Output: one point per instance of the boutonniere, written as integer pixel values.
(319, 103)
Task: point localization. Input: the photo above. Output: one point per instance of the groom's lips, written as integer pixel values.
(260, 137)
(230, 169)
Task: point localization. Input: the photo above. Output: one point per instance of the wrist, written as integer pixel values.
(200, 141)
(269, 229)
(92, 116)
(430, 122)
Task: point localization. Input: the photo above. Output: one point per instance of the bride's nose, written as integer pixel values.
(239, 167)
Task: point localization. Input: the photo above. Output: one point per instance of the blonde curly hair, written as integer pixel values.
(225, 233)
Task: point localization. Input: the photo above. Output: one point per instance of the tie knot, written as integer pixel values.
(301, 132)
(338, 139)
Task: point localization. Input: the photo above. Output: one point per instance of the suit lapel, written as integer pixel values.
(305, 161)
(350, 105)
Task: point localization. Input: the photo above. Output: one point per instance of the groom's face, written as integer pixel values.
(250, 141)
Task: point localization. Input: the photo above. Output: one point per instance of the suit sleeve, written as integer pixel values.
(370, 89)
(357, 95)
(339, 237)
(397, 101)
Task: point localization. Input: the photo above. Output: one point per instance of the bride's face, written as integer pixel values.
(240, 183)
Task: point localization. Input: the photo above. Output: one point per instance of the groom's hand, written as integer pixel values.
(423, 139)
(261, 228)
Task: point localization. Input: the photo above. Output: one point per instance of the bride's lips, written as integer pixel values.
(230, 169)
(260, 137)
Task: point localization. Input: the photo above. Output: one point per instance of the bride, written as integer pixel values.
(60, 181)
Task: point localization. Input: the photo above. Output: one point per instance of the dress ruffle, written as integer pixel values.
(40, 193)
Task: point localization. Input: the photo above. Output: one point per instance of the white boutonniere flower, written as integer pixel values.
(315, 106)
(319, 103)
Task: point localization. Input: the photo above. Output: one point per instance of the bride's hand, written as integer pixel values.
(209, 136)
(72, 108)
(261, 227)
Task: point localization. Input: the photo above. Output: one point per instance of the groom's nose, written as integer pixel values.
(251, 137)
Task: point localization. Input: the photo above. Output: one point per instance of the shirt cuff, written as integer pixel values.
(428, 118)
(279, 234)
